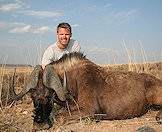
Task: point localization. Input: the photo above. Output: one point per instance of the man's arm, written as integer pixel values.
(47, 57)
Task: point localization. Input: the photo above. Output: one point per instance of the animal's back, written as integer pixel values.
(118, 94)
(124, 94)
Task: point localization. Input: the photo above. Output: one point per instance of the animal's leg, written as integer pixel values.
(80, 111)
(75, 114)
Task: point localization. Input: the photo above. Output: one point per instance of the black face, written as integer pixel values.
(42, 100)
(43, 108)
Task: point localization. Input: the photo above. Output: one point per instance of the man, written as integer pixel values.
(63, 45)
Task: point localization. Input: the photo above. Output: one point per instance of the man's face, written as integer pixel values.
(63, 36)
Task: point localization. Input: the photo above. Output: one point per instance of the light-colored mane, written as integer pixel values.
(68, 61)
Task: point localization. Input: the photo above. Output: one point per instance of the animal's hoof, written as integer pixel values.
(159, 120)
(145, 129)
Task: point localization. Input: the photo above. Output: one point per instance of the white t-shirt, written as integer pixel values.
(53, 53)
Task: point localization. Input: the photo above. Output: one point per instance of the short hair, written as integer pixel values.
(64, 25)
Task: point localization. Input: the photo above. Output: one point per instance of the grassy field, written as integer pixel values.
(18, 116)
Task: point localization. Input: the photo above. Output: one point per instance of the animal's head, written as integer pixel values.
(42, 100)
(45, 89)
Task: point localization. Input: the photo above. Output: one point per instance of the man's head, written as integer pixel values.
(64, 34)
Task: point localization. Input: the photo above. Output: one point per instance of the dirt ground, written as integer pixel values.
(18, 118)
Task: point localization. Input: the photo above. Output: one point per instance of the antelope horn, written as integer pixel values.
(65, 83)
(30, 83)
(51, 80)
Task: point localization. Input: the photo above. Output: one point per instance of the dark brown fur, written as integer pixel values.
(119, 95)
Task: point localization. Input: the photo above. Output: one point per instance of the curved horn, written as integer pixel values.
(51, 80)
(65, 84)
(30, 83)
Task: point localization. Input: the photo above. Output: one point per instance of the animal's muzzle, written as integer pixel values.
(38, 119)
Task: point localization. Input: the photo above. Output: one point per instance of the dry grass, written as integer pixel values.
(6, 79)
(18, 117)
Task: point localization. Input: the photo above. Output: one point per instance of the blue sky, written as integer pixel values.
(109, 31)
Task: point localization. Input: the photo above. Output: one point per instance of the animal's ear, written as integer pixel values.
(52, 80)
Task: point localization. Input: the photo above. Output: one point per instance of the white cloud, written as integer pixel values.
(18, 4)
(43, 29)
(30, 29)
(17, 24)
(4, 24)
(124, 14)
(10, 7)
(19, 27)
(121, 17)
(91, 8)
(75, 25)
(24, 29)
(107, 5)
(42, 14)
(22, 8)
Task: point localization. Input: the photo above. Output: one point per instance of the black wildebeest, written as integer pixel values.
(117, 95)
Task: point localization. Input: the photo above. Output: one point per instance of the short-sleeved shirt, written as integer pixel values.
(54, 53)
